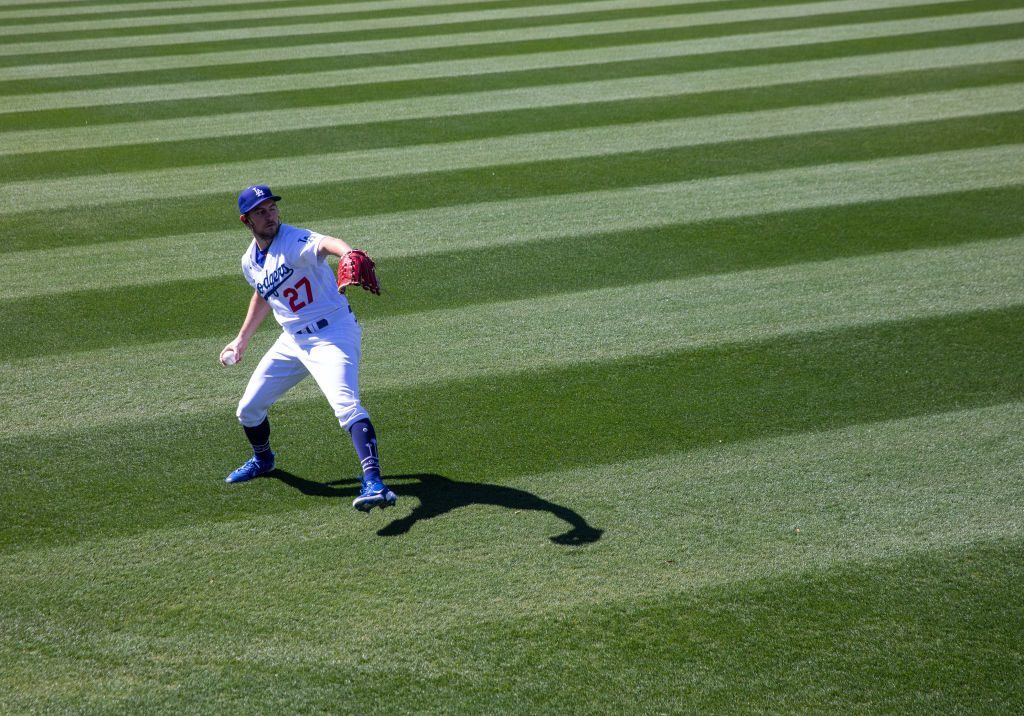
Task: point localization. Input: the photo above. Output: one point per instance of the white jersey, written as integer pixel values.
(300, 287)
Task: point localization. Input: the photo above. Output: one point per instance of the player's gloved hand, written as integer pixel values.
(356, 268)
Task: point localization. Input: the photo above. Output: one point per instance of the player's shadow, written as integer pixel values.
(439, 495)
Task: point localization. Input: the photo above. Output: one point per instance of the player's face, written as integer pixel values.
(264, 220)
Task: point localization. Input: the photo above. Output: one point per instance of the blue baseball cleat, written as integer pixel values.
(253, 467)
(374, 493)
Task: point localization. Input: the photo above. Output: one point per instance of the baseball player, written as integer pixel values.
(288, 270)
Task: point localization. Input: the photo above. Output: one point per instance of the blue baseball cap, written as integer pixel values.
(255, 195)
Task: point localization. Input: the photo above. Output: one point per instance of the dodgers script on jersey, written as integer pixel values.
(299, 286)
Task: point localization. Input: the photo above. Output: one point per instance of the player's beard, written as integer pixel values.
(268, 232)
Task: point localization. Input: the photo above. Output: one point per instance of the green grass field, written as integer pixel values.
(699, 367)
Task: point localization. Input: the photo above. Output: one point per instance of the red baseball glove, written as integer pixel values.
(356, 268)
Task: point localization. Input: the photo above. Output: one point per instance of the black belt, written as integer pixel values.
(313, 327)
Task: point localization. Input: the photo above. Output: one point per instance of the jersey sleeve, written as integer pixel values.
(308, 247)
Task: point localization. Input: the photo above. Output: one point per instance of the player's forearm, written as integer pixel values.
(333, 246)
(233, 351)
(258, 310)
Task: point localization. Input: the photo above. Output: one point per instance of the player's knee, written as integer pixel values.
(250, 415)
(350, 415)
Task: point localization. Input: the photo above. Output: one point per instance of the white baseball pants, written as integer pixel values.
(329, 354)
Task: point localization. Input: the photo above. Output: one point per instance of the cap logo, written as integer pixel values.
(252, 196)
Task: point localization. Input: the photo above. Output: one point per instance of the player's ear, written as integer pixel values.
(243, 219)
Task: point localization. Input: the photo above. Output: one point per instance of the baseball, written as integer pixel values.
(228, 357)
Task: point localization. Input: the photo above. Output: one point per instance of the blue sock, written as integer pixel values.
(365, 441)
(259, 436)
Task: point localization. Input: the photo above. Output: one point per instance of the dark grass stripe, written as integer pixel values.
(332, 11)
(930, 629)
(115, 480)
(929, 632)
(121, 14)
(132, 315)
(252, 71)
(306, 38)
(162, 217)
(398, 133)
(404, 89)
(340, 14)
(386, 33)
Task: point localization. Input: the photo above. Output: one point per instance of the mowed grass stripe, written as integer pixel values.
(313, 79)
(353, 46)
(744, 489)
(30, 9)
(482, 17)
(140, 46)
(521, 270)
(500, 114)
(727, 558)
(154, 21)
(676, 91)
(476, 126)
(128, 44)
(641, 227)
(118, 479)
(887, 646)
(56, 7)
(203, 255)
(643, 319)
(100, 222)
(919, 497)
(31, 113)
(612, 57)
(197, 496)
(964, 595)
(121, 46)
(72, 9)
(503, 154)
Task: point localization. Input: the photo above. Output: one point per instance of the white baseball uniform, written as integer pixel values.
(321, 336)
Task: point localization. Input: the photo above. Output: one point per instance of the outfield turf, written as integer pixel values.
(699, 366)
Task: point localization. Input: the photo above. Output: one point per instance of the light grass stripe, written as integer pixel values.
(551, 32)
(487, 224)
(47, 5)
(262, 31)
(90, 8)
(933, 487)
(111, 135)
(870, 64)
(65, 193)
(119, 385)
(269, 14)
(213, 254)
